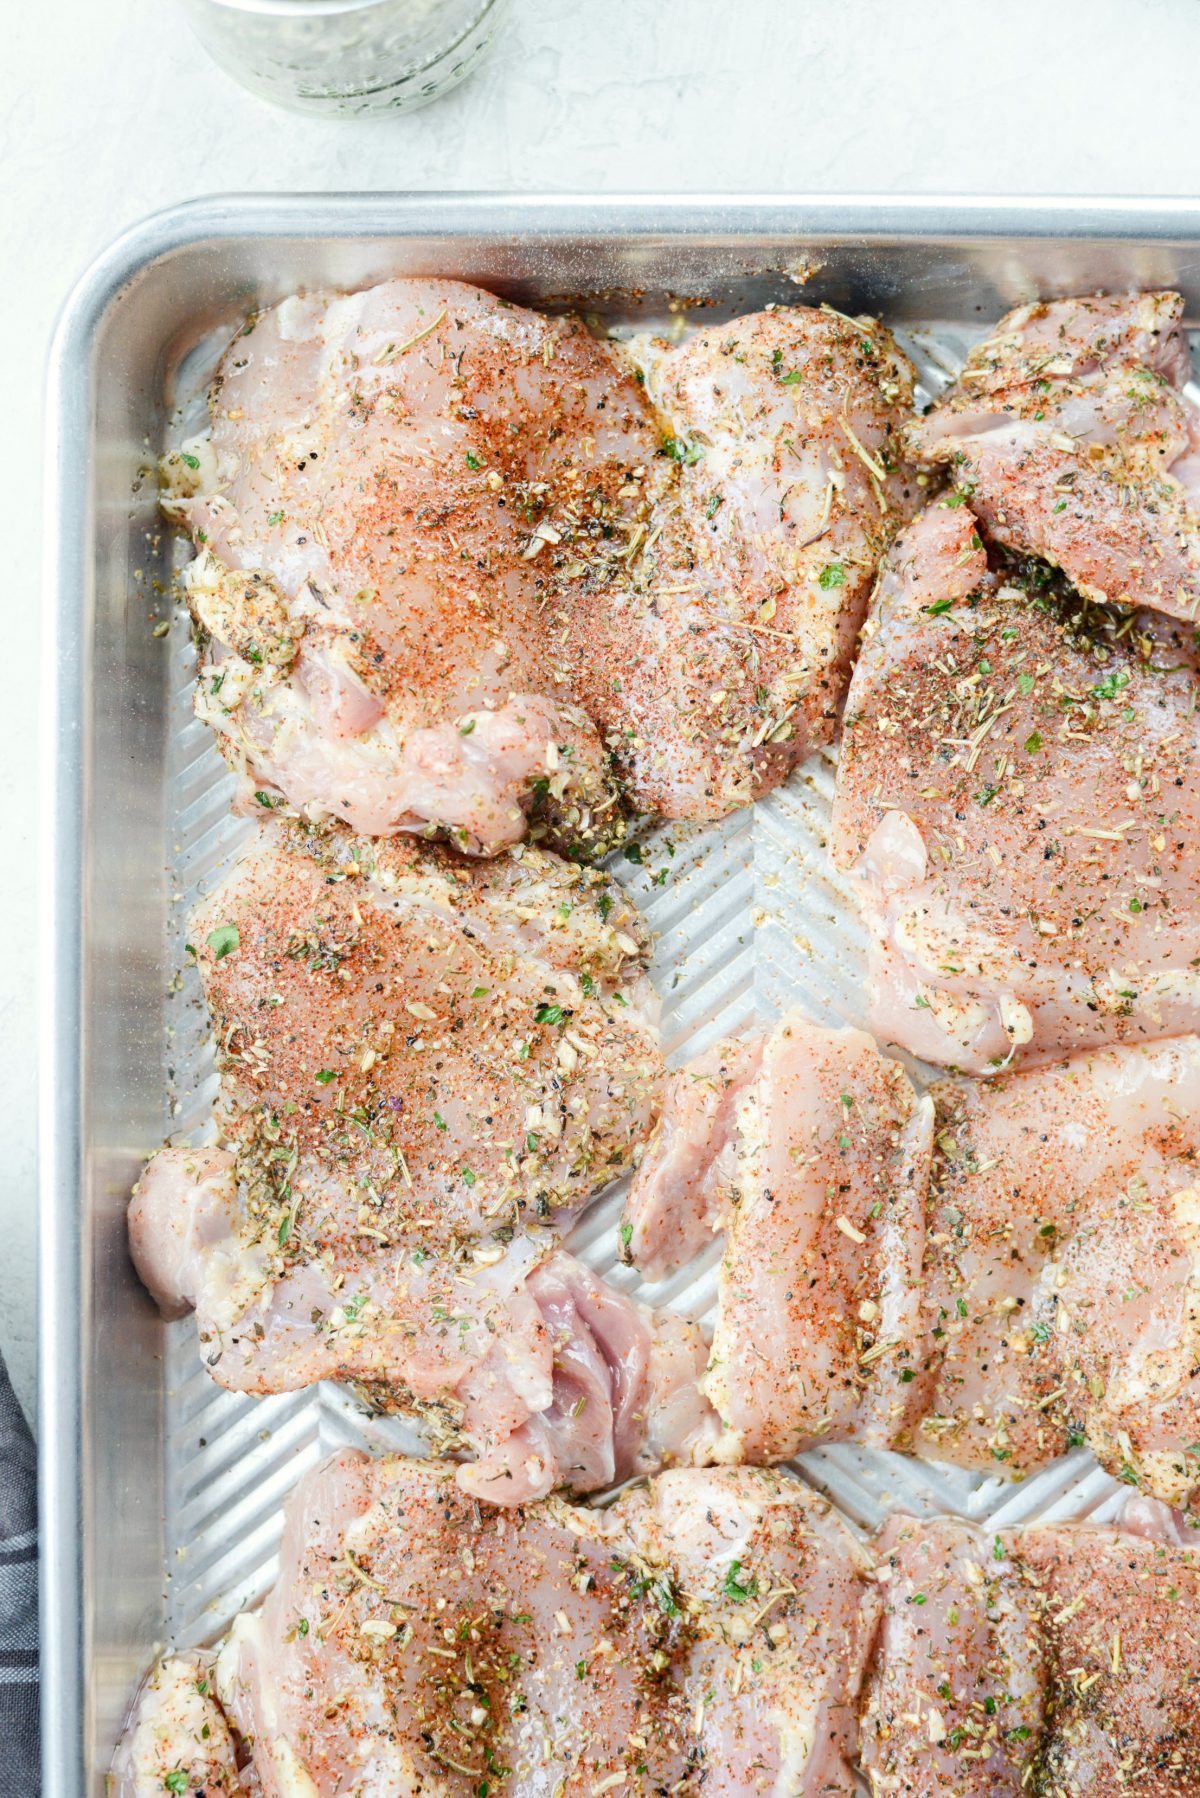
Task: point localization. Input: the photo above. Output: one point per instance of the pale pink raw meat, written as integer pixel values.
(1061, 1658)
(417, 1641)
(525, 1363)
(988, 1275)
(720, 1628)
(391, 479)
(1063, 1272)
(956, 1698)
(1019, 790)
(417, 1045)
(455, 559)
(723, 659)
(428, 1066)
(811, 1151)
(1069, 432)
(681, 1195)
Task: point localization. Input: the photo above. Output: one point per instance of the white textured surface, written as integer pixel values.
(108, 111)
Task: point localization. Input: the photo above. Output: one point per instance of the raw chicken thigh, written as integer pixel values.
(723, 659)
(1062, 1659)
(413, 1045)
(1019, 788)
(391, 480)
(177, 1734)
(1063, 1276)
(811, 1151)
(428, 1065)
(986, 1276)
(447, 545)
(718, 1631)
(956, 1699)
(1068, 431)
(707, 1629)
(525, 1362)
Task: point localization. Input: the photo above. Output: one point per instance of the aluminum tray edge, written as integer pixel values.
(68, 589)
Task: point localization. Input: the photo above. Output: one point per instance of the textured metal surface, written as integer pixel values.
(162, 1494)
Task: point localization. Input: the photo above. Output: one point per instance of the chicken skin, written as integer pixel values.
(1019, 789)
(1070, 433)
(457, 563)
(707, 1630)
(428, 1066)
(811, 1151)
(1060, 1660)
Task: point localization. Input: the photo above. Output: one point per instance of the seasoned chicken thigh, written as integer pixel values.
(448, 545)
(522, 1362)
(177, 1739)
(956, 1698)
(1063, 1272)
(1019, 788)
(811, 1151)
(428, 1065)
(1118, 1611)
(987, 1275)
(392, 479)
(1062, 1659)
(1068, 430)
(707, 1629)
(723, 659)
(413, 1045)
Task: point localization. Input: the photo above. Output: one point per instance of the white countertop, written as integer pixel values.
(108, 110)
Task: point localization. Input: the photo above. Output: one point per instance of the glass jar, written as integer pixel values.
(347, 57)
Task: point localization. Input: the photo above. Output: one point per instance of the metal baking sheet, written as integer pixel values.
(161, 1493)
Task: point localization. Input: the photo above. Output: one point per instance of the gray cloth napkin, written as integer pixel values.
(19, 1773)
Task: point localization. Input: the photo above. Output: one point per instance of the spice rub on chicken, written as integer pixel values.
(457, 565)
(1062, 1282)
(1069, 432)
(1019, 788)
(722, 660)
(392, 483)
(428, 1066)
(712, 1631)
(810, 1150)
(413, 1044)
(1061, 1659)
(987, 1275)
(707, 1631)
